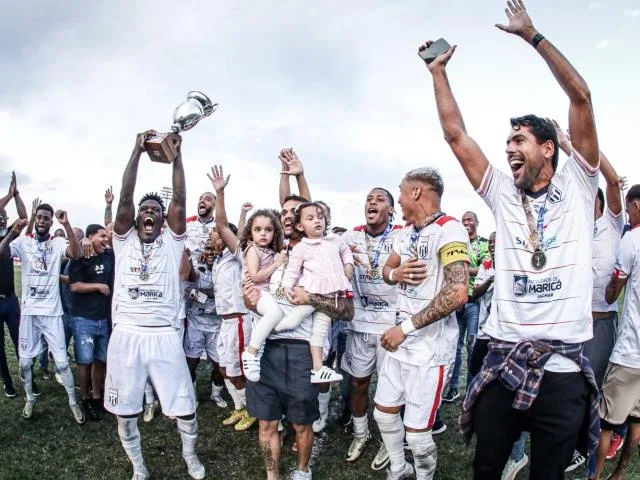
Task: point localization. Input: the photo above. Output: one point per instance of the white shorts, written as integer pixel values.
(154, 354)
(419, 389)
(33, 328)
(234, 335)
(196, 342)
(363, 354)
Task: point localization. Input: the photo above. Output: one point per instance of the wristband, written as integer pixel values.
(537, 38)
(407, 327)
(391, 274)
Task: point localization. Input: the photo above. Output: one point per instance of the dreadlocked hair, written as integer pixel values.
(277, 241)
(152, 196)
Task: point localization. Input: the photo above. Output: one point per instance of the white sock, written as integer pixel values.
(216, 390)
(149, 397)
(130, 439)
(392, 432)
(360, 426)
(67, 381)
(27, 377)
(425, 454)
(243, 396)
(323, 403)
(237, 401)
(188, 430)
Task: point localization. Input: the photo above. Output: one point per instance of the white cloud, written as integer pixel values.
(603, 43)
(628, 12)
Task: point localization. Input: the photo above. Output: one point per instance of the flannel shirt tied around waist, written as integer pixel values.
(520, 368)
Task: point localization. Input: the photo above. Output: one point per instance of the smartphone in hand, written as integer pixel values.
(434, 50)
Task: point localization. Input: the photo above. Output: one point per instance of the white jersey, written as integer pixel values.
(553, 303)
(374, 300)
(227, 283)
(203, 316)
(151, 299)
(198, 232)
(41, 263)
(438, 244)
(485, 271)
(606, 243)
(626, 351)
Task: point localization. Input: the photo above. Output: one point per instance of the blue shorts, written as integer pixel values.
(90, 340)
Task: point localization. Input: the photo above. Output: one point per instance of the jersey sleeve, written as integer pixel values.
(492, 185)
(454, 244)
(578, 169)
(345, 253)
(626, 257)
(616, 221)
(17, 247)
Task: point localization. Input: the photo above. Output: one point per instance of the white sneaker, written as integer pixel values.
(320, 423)
(300, 475)
(194, 467)
(216, 396)
(78, 414)
(325, 375)
(149, 411)
(27, 411)
(405, 473)
(140, 475)
(513, 467)
(251, 366)
(381, 460)
(357, 447)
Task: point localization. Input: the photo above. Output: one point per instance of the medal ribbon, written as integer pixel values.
(536, 229)
(42, 252)
(146, 258)
(375, 259)
(415, 233)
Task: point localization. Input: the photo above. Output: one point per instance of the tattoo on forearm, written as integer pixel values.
(107, 215)
(267, 455)
(456, 276)
(341, 309)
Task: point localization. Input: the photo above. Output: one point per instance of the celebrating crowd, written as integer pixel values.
(151, 292)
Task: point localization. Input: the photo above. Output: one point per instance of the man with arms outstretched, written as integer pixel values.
(145, 343)
(543, 280)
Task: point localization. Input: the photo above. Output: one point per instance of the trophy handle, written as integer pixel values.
(208, 107)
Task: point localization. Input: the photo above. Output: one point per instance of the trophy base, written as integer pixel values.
(161, 148)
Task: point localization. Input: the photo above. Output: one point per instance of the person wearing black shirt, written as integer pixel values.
(91, 281)
(9, 306)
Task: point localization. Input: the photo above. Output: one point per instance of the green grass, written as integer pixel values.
(52, 446)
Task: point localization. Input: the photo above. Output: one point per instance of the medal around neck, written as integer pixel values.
(538, 260)
(161, 147)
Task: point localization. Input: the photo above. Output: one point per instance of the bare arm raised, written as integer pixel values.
(177, 211)
(222, 225)
(292, 166)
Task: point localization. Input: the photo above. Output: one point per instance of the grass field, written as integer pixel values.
(52, 446)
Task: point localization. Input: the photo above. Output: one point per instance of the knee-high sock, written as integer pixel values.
(424, 454)
(243, 396)
(237, 401)
(27, 377)
(67, 381)
(130, 439)
(360, 426)
(188, 430)
(323, 403)
(149, 397)
(392, 432)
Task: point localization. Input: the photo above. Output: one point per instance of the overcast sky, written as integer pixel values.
(338, 81)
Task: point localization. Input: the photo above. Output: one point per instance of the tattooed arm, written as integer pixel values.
(341, 309)
(614, 287)
(451, 297)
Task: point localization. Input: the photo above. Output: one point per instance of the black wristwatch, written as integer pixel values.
(537, 38)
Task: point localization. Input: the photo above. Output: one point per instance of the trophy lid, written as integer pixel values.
(208, 107)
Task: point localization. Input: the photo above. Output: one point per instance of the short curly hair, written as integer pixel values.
(152, 196)
(297, 234)
(277, 241)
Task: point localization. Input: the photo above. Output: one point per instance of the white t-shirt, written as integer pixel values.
(606, 244)
(197, 235)
(626, 351)
(152, 301)
(41, 263)
(555, 302)
(434, 344)
(374, 300)
(203, 316)
(485, 271)
(227, 283)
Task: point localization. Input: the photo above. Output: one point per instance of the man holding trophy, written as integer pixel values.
(145, 344)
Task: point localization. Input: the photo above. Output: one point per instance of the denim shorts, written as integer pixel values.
(90, 340)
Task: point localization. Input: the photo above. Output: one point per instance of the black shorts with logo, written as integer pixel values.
(285, 384)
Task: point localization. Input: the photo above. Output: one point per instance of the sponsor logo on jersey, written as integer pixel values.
(542, 288)
(38, 292)
(373, 301)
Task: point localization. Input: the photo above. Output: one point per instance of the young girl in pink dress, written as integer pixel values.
(323, 265)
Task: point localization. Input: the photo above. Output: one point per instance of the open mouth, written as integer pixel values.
(148, 224)
(516, 165)
(372, 211)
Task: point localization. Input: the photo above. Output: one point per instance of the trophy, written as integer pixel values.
(161, 147)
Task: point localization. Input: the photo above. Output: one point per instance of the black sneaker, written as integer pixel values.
(9, 391)
(451, 396)
(90, 409)
(35, 389)
(438, 427)
(576, 460)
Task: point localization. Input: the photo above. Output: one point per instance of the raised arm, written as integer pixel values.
(471, 158)
(32, 219)
(242, 221)
(18, 226)
(582, 124)
(177, 211)
(292, 166)
(108, 212)
(126, 214)
(74, 251)
(613, 193)
(222, 224)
